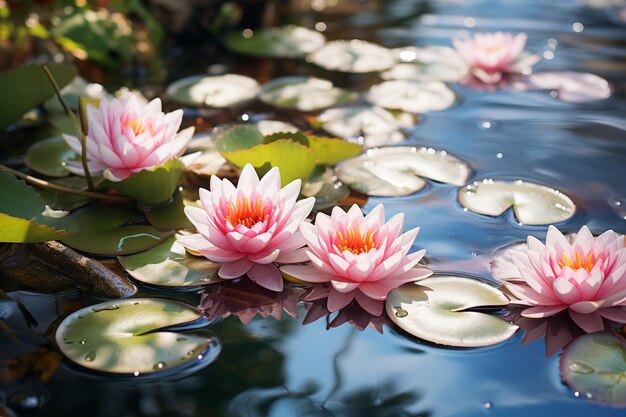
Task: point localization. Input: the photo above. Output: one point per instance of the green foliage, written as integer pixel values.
(286, 41)
(46, 157)
(170, 216)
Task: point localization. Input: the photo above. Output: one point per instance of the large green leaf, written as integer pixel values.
(329, 151)
(46, 157)
(238, 137)
(26, 87)
(129, 336)
(112, 230)
(170, 216)
(23, 216)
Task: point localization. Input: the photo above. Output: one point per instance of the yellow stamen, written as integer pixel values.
(242, 212)
(579, 262)
(355, 241)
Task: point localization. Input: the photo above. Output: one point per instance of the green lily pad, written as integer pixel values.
(219, 91)
(112, 230)
(275, 42)
(237, 138)
(130, 337)
(353, 56)
(595, 365)
(46, 157)
(303, 93)
(533, 204)
(329, 151)
(170, 216)
(169, 265)
(58, 200)
(433, 309)
(26, 87)
(398, 170)
(23, 216)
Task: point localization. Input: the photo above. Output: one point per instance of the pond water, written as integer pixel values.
(281, 367)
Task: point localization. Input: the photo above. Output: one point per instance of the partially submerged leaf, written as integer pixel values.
(219, 91)
(47, 156)
(286, 41)
(573, 87)
(412, 96)
(398, 170)
(355, 56)
(303, 93)
(433, 309)
(128, 336)
(533, 204)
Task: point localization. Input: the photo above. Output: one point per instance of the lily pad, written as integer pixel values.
(113, 230)
(533, 204)
(324, 185)
(398, 170)
(276, 42)
(594, 365)
(23, 216)
(329, 151)
(79, 87)
(47, 156)
(219, 91)
(170, 216)
(130, 336)
(303, 93)
(354, 56)
(428, 63)
(58, 200)
(573, 87)
(433, 310)
(367, 125)
(169, 265)
(412, 96)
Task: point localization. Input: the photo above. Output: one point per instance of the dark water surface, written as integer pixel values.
(282, 368)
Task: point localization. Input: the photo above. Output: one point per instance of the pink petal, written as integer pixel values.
(344, 287)
(267, 276)
(588, 322)
(230, 270)
(307, 273)
(374, 307)
(337, 300)
(543, 311)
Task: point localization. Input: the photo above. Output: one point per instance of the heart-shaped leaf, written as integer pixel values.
(398, 170)
(355, 56)
(286, 41)
(47, 156)
(412, 96)
(303, 93)
(433, 309)
(594, 365)
(218, 91)
(533, 204)
(169, 265)
(129, 336)
(112, 230)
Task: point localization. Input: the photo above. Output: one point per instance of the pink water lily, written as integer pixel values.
(581, 274)
(249, 228)
(491, 55)
(125, 137)
(362, 257)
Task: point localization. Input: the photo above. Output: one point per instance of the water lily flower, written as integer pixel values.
(581, 274)
(491, 55)
(125, 137)
(250, 227)
(362, 257)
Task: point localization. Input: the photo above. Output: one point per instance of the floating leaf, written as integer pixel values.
(533, 204)
(26, 87)
(170, 216)
(329, 151)
(219, 91)
(412, 96)
(129, 336)
(355, 56)
(398, 170)
(59, 200)
(79, 87)
(594, 365)
(47, 156)
(237, 138)
(433, 309)
(367, 125)
(286, 41)
(112, 230)
(303, 93)
(428, 63)
(327, 190)
(573, 87)
(169, 265)
(23, 216)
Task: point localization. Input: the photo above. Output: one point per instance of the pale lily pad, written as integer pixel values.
(573, 87)
(269, 127)
(354, 56)
(533, 204)
(594, 365)
(433, 309)
(367, 125)
(303, 93)
(412, 96)
(276, 42)
(398, 170)
(130, 336)
(79, 87)
(428, 63)
(47, 156)
(219, 91)
(112, 230)
(169, 265)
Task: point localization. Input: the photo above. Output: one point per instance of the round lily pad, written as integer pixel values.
(169, 265)
(303, 93)
(354, 56)
(595, 365)
(428, 63)
(128, 336)
(533, 204)
(398, 170)
(46, 157)
(218, 91)
(275, 42)
(573, 87)
(433, 309)
(412, 96)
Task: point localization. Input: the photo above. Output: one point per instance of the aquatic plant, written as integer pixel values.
(250, 227)
(362, 257)
(584, 275)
